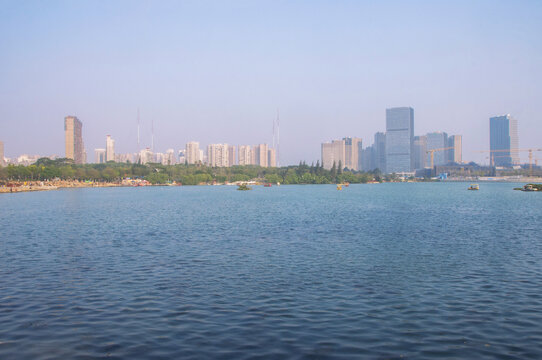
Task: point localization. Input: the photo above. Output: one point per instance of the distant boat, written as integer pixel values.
(267, 185)
(529, 187)
(339, 186)
(474, 187)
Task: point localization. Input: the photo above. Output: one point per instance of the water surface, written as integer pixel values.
(419, 271)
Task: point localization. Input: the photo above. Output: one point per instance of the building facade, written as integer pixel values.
(2, 161)
(99, 156)
(182, 156)
(352, 146)
(109, 149)
(232, 159)
(218, 155)
(367, 159)
(272, 158)
(260, 155)
(419, 152)
(455, 154)
(125, 158)
(73, 133)
(437, 140)
(379, 152)
(193, 155)
(333, 153)
(146, 156)
(169, 157)
(503, 141)
(245, 155)
(399, 138)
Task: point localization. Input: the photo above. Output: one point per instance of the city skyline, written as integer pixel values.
(436, 148)
(214, 81)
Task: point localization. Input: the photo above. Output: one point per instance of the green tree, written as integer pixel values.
(333, 172)
(67, 172)
(272, 178)
(157, 178)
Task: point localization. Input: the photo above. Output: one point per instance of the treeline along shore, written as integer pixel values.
(47, 174)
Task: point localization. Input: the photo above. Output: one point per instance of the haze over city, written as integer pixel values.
(217, 72)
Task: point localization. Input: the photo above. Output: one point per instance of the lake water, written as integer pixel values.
(416, 271)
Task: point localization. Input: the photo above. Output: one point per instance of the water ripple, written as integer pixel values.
(392, 271)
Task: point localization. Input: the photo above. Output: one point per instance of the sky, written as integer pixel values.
(218, 71)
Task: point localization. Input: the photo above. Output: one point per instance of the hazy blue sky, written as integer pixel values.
(217, 71)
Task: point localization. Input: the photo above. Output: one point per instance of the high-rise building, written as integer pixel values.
(379, 152)
(260, 155)
(217, 155)
(360, 155)
(26, 159)
(124, 158)
(73, 131)
(245, 155)
(109, 149)
(159, 158)
(399, 138)
(272, 158)
(367, 158)
(193, 155)
(455, 155)
(419, 152)
(351, 152)
(169, 157)
(99, 156)
(146, 156)
(182, 156)
(2, 161)
(231, 156)
(333, 153)
(437, 140)
(503, 140)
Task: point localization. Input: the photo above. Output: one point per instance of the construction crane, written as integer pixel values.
(433, 151)
(531, 150)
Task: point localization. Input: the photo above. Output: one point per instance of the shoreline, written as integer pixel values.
(30, 186)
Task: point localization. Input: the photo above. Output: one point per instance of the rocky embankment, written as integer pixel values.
(24, 186)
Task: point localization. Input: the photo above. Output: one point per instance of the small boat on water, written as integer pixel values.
(529, 187)
(267, 185)
(339, 186)
(474, 187)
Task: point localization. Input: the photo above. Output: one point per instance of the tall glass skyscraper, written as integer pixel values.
(503, 140)
(437, 140)
(419, 152)
(399, 138)
(379, 152)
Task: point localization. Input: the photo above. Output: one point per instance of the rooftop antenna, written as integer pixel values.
(274, 134)
(152, 135)
(138, 145)
(278, 139)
